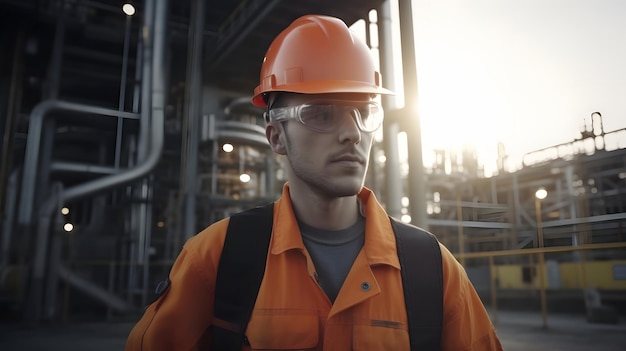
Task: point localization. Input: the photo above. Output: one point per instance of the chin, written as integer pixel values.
(343, 190)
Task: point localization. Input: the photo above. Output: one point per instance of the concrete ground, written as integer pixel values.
(521, 331)
(518, 331)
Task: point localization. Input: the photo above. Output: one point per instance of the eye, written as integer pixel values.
(317, 114)
(367, 112)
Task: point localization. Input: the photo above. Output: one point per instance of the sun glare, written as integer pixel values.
(504, 93)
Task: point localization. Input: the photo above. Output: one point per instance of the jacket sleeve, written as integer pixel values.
(466, 324)
(180, 318)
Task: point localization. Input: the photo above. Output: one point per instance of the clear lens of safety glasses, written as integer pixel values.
(327, 116)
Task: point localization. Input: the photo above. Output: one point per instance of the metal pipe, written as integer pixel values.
(193, 107)
(7, 223)
(417, 193)
(11, 117)
(393, 183)
(252, 128)
(459, 216)
(214, 170)
(138, 72)
(33, 142)
(52, 278)
(393, 187)
(122, 97)
(542, 264)
(93, 290)
(61, 166)
(108, 182)
(147, 57)
(57, 55)
(146, 228)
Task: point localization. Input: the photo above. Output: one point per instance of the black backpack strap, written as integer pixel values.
(422, 281)
(239, 275)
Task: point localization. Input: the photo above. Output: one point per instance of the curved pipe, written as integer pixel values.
(60, 166)
(33, 145)
(111, 181)
(91, 289)
(252, 128)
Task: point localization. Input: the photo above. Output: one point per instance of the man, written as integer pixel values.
(332, 278)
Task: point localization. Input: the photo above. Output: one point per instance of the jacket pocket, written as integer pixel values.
(380, 336)
(283, 330)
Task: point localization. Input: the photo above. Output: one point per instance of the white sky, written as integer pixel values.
(524, 72)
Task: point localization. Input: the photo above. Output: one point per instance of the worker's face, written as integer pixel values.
(331, 163)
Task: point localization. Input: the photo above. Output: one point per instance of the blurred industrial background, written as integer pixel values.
(125, 132)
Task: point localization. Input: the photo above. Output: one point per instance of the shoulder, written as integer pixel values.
(453, 272)
(209, 242)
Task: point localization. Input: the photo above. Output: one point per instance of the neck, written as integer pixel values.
(323, 212)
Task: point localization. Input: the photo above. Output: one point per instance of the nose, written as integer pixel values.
(349, 131)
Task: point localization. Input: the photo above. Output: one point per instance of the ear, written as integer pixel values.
(274, 133)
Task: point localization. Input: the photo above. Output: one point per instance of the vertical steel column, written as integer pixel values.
(54, 261)
(27, 198)
(147, 57)
(193, 113)
(54, 78)
(393, 185)
(371, 174)
(122, 96)
(7, 224)
(417, 193)
(516, 208)
(157, 121)
(11, 117)
(542, 263)
(137, 249)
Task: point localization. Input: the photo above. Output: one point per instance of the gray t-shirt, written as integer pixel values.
(333, 252)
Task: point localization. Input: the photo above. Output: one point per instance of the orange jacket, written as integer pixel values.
(292, 311)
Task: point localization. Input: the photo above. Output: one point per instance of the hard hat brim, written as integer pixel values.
(318, 87)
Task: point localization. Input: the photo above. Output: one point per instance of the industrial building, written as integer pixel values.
(125, 133)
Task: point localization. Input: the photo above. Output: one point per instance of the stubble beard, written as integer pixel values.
(328, 186)
(323, 184)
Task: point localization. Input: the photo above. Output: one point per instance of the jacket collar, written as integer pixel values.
(380, 242)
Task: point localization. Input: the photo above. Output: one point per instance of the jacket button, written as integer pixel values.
(365, 286)
(162, 287)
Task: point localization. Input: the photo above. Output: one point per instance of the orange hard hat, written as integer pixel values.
(316, 55)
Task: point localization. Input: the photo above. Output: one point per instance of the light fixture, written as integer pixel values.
(541, 193)
(228, 147)
(128, 9)
(244, 178)
(65, 211)
(404, 201)
(68, 227)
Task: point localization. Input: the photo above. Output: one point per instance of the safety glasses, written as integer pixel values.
(328, 115)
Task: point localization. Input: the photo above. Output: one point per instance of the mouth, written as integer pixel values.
(349, 158)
